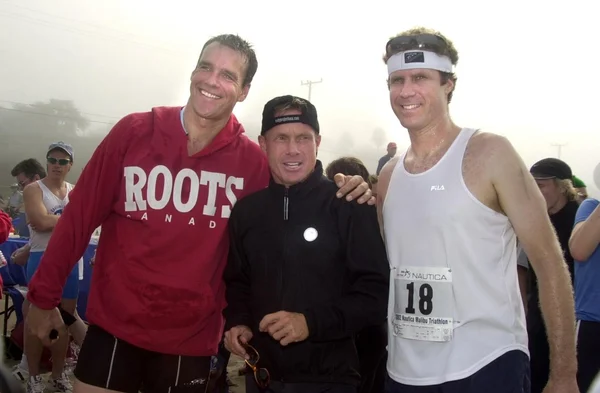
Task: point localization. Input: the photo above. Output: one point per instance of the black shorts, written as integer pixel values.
(588, 348)
(507, 374)
(111, 363)
(281, 387)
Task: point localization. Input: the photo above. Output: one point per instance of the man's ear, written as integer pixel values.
(318, 141)
(244, 94)
(262, 141)
(449, 86)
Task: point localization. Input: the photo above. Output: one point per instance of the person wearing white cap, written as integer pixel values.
(451, 208)
(45, 201)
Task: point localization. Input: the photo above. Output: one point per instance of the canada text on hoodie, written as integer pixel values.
(157, 281)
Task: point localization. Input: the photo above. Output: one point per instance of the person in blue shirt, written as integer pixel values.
(585, 249)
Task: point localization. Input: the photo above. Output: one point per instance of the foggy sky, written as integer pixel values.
(525, 68)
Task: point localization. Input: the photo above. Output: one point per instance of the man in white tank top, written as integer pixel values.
(45, 201)
(450, 208)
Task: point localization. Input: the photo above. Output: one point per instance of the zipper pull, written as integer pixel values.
(286, 203)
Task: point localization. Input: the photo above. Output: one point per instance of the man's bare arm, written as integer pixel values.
(523, 203)
(383, 183)
(586, 236)
(37, 214)
(522, 275)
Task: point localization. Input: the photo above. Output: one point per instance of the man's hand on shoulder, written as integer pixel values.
(285, 327)
(353, 187)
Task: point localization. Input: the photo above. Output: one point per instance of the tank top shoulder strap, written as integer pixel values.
(456, 152)
(45, 190)
(463, 140)
(400, 162)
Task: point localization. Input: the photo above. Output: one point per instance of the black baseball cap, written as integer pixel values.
(308, 115)
(551, 168)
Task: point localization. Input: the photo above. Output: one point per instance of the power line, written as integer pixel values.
(57, 116)
(83, 113)
(72, 29)
(74, 20)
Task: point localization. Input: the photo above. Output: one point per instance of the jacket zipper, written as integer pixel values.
(286, 204)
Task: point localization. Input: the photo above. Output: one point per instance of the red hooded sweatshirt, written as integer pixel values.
(157, 281)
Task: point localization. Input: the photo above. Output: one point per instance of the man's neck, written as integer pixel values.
(562, 202)
(434, 137)
(201, 131)
(54, 184)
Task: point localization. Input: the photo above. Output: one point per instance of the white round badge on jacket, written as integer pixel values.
(310, 234)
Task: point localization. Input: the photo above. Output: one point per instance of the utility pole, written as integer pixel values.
(559, 146)
(309, 84)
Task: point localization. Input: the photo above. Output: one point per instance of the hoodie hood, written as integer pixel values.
(168, 121)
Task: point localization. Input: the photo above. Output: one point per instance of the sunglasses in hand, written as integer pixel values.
(261, 375)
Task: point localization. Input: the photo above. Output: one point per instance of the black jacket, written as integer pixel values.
(339, 280)
(562, 221)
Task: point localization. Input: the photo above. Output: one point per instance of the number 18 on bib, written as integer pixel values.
(424, 303)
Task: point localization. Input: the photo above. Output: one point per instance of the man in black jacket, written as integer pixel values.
(306, 270)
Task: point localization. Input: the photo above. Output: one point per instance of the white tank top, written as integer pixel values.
(54, 205)
(455, 304)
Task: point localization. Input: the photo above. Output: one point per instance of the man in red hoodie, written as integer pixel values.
(162, 185)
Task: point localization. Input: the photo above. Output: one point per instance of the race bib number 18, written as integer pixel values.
(424, 303)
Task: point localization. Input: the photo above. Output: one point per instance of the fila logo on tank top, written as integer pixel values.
(454, 303)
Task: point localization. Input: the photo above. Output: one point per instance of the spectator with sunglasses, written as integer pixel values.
(455, 203)
(26, 172)
(306, 271)
(45, 201)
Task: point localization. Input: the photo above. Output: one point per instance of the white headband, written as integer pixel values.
(412, 59)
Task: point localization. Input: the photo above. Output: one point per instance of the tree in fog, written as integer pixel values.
(26, 130)
(56, 117)
(345, 145)
(378, 137)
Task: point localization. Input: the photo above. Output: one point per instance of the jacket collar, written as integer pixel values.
(301, 188)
